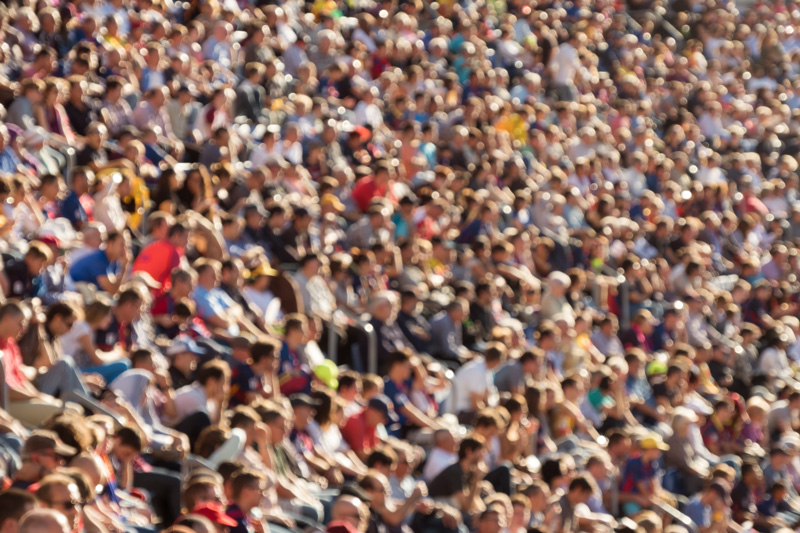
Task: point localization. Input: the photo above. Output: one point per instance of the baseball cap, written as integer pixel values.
(328, 373)
(42, 440)
(264, 269)
(383, 404)
(656, 367)
(216, 513)
(303, 400)
(653, 442)
(183, 344)
(330, 200)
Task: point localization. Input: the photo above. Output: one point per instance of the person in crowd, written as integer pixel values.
(542, 258)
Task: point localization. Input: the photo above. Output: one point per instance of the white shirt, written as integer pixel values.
(565, 63)
(368, 114)
(774, 361)
(70, 341)
(260, 301)
(438, 460)
(189, 400)
(474, 377)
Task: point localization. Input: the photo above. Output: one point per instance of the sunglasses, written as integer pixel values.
(67, 505)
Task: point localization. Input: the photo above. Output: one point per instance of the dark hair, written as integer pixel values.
(262, 350)
(580, 483)
(243, 479)
(347, 380)
(129, 436)
(243, 416)
(228, 469)
(382, 456)
(62, 309)
(218, 370)
(140, 355)
(128, 296)
(469, 444)
(397, 358)
(14, 503)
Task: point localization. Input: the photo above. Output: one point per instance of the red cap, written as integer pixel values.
(214, 512)
(341, 526)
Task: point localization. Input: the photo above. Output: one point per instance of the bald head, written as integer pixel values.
(43, 521)
(88, 464)
(351, 509)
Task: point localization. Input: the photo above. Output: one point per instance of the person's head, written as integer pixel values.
(491, 520)
(309, 265)
(178, 235)
(13, 320)
(724, 411)
(352, 510)
(278, 421)
(14, 503)
(457, 310)
(116, 246)
(142, 359)
(580, 490)
(205, 489)
(752, 475)
(295, 330)
(399, 365)
(215, 378)
(37, 257)
(45, 450)
(127, 444)
(60, 493)
(209, 272)
(445, 440)
(183, 281)
(652, 446)
(60, 318)
(495, 355)
(128, 306)
(247, 487)
(349, 386)
(44, 521)
(377, 487)
(263, 357)
(538, 494)
(382, 459)
(717, 496)
(471, 451)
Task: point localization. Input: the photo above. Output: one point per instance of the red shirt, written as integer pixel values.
(13, 364)
(358, 435)
(158, 259)
(365, 190)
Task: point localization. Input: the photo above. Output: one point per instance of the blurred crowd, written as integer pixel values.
(395, 266)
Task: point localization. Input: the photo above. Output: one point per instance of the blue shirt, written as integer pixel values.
(399, 396)
(638, 471)
(213, 302)
(92, 266)
(699, 513)
(242, 524)
(72, 210)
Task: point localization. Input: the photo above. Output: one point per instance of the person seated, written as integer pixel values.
(219, 312)
(640, 481)
(203, 402)
(21, 277)
(294, 375)
(105, 268)
(460, 483)
(256, 377)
